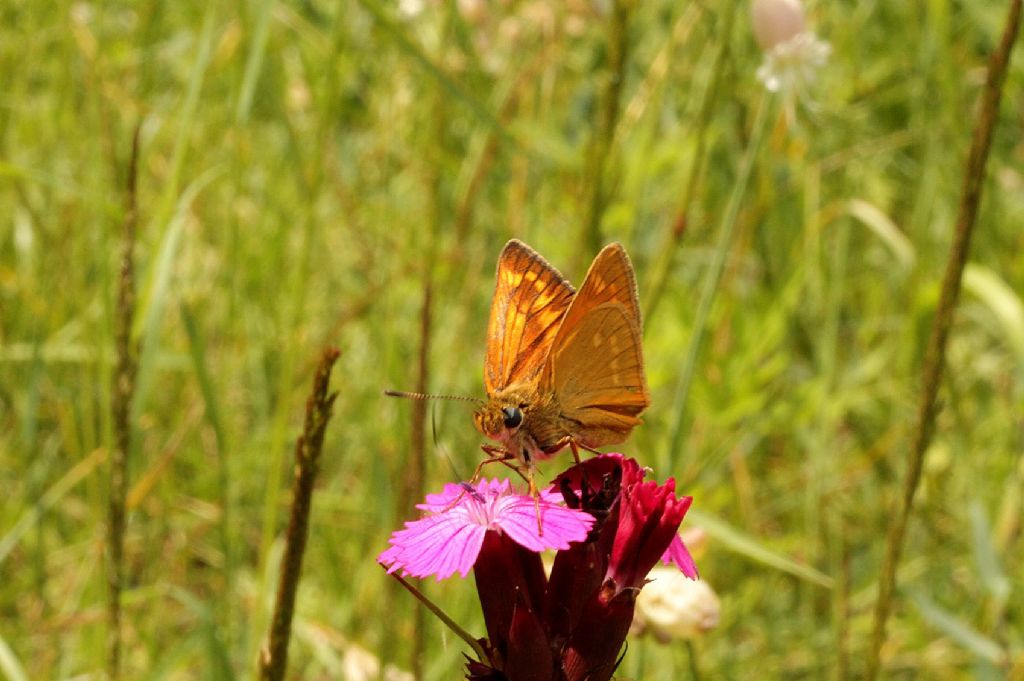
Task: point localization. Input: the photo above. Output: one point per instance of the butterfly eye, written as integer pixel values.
(513, 417)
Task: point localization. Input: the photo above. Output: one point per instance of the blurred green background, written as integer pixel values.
(308, 169)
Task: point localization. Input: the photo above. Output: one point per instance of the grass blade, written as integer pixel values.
(254, 62)
(749, 547)
(450, 85)
(27, 521)
(882, 226)
(9, 663)
(216, 654)
(985, 556)
(152, 311)
(958, 630)
(1004, 303)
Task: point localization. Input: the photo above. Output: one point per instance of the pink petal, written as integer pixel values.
(434, 545)
(517, 517)
(678, 553)
(444, 499)
(459, 494)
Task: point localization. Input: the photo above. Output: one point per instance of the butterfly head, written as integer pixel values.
(499, 421)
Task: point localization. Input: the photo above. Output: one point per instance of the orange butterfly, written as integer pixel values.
(562, 368)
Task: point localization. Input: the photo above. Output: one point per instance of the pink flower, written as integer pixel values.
(449, 538)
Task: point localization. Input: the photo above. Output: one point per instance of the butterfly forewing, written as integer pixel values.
(530, 300)
(610, 278)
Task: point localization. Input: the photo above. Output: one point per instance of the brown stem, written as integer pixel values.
(417, 471)
(609, 116)
(274, 655)
(124, 388)
(934, 359)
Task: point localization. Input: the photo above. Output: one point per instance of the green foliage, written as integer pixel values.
(305, 168)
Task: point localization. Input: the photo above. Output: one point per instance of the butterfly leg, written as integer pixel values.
(573, 444)
(535, 493)
(494, 455)
(503, 456)
(575, 450)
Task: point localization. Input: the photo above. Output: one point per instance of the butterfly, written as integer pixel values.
(562, 368)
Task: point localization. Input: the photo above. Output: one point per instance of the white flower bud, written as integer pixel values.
(473, 11)
(776, 21)
(672, 606)
(793, 54)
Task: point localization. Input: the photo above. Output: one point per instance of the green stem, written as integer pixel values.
(712, 279)
(691, 656)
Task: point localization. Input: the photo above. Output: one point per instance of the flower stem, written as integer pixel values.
(713, 277)
(934, 359)
(274, 655)
(441, 615)
(691, 656)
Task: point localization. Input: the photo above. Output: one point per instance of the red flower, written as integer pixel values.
(649, 516)
(639, 527)
(571, 627)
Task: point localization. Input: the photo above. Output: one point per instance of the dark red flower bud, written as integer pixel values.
(648, 519)
(509, 579)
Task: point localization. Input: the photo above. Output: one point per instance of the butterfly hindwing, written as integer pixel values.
(598, 375)
(595, 367)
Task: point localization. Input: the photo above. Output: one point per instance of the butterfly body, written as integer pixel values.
(563, 368)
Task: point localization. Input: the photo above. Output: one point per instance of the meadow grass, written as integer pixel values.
(307, 169)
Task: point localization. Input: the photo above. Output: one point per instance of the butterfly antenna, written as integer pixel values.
(425, 396)
(453, 467)
(436, 437)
